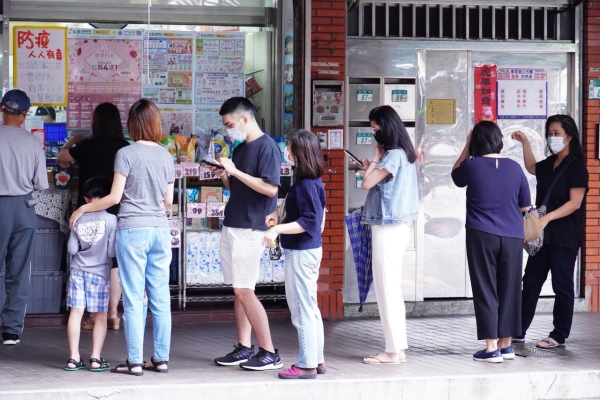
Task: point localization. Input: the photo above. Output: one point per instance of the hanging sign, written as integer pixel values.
(196, 210)
(522, 93)
(485, 99)
(40, 64)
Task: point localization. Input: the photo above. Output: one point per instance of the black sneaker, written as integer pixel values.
(9, 339)
(239, 355)
(263, 361)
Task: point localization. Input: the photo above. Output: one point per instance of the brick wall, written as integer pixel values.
(328, 45)
(591, 119)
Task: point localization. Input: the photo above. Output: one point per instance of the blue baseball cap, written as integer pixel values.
(16, 100)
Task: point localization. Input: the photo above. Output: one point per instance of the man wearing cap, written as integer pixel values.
(22, 170)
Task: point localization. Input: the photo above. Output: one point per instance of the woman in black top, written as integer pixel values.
(96, 156)
(563, 225)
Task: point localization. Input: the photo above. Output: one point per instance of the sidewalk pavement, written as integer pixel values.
(439, 365)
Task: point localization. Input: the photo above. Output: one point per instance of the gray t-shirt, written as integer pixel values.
(92, 242)
(22, 162)
(149, 169)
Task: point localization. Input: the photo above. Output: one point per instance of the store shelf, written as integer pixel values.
(254, 72)
(198, 299)
(223, 285)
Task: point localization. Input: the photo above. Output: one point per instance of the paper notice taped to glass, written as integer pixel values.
(441, 111)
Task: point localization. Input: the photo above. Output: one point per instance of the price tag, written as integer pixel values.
(206, 174)
(364, 95)
(215, 209)
(196, 210)
(399, 96)
(175, 233)
(191, 169)
(178, 171)
(364, 138)
(286, 169)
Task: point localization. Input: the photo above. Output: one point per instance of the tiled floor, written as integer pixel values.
(440, 346)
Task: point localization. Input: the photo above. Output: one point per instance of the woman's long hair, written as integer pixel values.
(306, 150)
(392, 133)
(570, 127)
(106, 122)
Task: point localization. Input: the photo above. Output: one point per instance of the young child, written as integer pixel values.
(92, 243)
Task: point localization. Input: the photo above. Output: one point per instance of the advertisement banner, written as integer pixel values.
(522, 93)
(105, 65)
(485, 99)
(40, 64)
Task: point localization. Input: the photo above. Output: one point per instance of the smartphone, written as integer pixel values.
(212, 164)
(353, 157)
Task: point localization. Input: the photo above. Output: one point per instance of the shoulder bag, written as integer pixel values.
(534, 235)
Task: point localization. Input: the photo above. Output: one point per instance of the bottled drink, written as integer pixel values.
(274, 249)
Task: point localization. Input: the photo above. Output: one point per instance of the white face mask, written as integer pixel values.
(235, 134)
(286, 156)
(556, 144)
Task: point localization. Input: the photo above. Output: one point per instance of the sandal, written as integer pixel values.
(119, 369)
(549, 343)
(88, 323)
(104, 365)
(78, 365)
(155, 365)
(113, 324)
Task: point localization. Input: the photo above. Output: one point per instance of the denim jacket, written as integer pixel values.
(396, 198)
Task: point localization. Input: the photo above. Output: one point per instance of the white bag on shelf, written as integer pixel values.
(265, 273)
(216, 272)
(278, 269)
(204, 257)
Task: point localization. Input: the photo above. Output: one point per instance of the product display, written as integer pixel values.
(204, 263)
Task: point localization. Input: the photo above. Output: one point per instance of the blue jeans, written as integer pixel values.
(144, 256)
(301, 274)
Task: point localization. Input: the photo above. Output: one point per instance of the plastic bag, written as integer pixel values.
(168, 142)
(535, 245)
(222, 145)
(186, 148)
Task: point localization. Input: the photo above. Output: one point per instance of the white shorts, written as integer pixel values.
(240, 251)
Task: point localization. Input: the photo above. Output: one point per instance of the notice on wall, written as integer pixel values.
(485, 97)
(219, 75)
(522, 93)
(40, 64)
(105, 65)
(168, 78)
(441, 111)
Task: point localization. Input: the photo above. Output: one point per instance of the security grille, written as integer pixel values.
(501, 22)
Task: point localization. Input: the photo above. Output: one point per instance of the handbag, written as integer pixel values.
(281, 211)
(534, 235)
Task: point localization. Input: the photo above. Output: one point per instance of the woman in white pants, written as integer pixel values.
(391, 179)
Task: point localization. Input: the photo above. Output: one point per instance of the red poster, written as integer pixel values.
(485, 99)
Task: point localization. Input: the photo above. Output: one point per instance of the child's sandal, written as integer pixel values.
(78, 365)
(104, 365)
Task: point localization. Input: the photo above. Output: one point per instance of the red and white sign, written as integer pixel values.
(522, 93)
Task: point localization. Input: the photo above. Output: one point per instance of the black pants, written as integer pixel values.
(16, 240)
(495, 265)
(561, 261)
